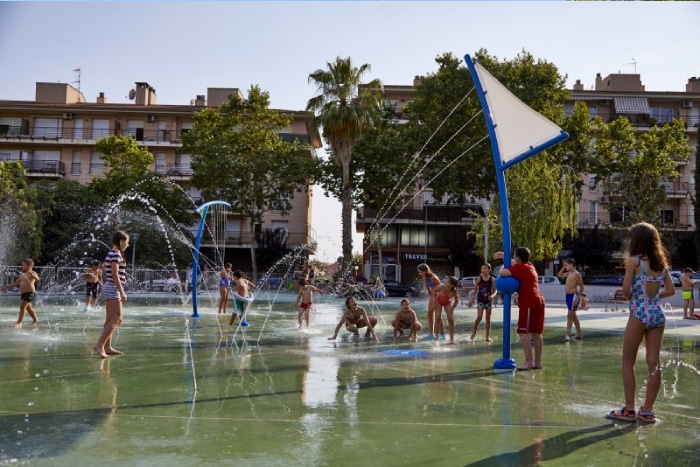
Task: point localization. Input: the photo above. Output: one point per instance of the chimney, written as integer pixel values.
(200, 101)
(101, 99)
(598, 82)
(578, 86)
(416, 81)
(145, 94)
(693, 85)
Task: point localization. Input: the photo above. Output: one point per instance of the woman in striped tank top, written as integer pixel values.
(113, 292)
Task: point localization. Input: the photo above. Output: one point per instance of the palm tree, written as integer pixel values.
(344, 108)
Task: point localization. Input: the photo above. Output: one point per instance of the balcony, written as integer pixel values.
(179, 171)
(431, 213)
(89, 135)
(42, 168)
(677, 189)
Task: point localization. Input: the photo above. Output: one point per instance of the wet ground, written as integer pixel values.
(196, 391)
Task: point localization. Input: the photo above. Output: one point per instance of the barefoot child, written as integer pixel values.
(406, 319)
(243, 289)
(224, 287)
(93, 280)
(484, 292)
(355, 317)
(305, 300)
(27, 291)
(444, 295)
(687, 289)
(430, 281)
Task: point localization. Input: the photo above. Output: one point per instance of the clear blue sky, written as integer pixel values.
(182, 48)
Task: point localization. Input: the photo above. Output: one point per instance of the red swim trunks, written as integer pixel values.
(305, 306)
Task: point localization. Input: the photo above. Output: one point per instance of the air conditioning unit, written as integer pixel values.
(687, 104)
(603, 199)
(151, 118)
(67, 115)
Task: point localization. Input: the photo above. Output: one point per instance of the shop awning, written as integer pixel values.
(631, 105)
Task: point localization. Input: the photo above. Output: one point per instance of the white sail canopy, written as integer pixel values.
(518, 128)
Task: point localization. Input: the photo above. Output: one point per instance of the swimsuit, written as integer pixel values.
(570, 297)
(225, 282)
(91, 289)
(484, 293)
(443, 298)
(687, 294)
(646, 309)
(306, 306)
(27, 296)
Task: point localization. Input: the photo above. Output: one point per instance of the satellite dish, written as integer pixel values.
(132, 94)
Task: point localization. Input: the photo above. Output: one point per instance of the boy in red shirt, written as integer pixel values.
(531, 307)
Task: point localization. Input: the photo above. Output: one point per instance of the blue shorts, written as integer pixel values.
(570, 298)
(91, 289)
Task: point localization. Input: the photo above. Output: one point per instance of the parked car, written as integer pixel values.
(676, 276)
(609, 279)
(397, 289)
(548, 280)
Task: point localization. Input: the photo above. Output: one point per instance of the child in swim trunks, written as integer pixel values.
(93, 281)
(406, 319)
(25, 282)
(687, 289)
(355, 317)
(305, 300)
(243, 289)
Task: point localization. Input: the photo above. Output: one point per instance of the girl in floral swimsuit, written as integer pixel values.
(645, 273)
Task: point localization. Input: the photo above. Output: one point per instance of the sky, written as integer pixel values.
(182, 48)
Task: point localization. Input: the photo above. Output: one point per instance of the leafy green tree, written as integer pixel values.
(636, 165)
(239, 157)
(140, 196)
(542, 190)
(19, 218)
(66, 207)
(344, 109)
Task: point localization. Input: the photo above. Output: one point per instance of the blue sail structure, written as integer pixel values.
(202, 210)
(516, 132)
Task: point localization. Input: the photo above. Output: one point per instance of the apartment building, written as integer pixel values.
(54, 137)
(428, 230)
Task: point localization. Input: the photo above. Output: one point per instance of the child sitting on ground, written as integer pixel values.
(406, 319)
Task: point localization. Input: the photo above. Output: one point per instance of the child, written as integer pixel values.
(444, 293)
(305, 300)
(687, 289)
(530, 306)
(27, 291)
(355, 317)
(113, 293)
(406, 319)
(645, 272)
(484, 292)
(584, 302)
(243, 289)
(93, 280)
(430, 281)
(224, 286)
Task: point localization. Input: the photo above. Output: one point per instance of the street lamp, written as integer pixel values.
(134, 238)
(425, 227)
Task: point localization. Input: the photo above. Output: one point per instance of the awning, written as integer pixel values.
(631, 105)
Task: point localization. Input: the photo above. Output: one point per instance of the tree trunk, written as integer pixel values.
(347, 229)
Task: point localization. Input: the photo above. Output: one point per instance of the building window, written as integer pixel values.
(666, 216)
(592, 212)
(662, 115)
(97, 164)
(593, 111)
(75, 163)
(160, 162)
(100, 128)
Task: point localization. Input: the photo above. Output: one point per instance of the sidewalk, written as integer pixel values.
(596, 318)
